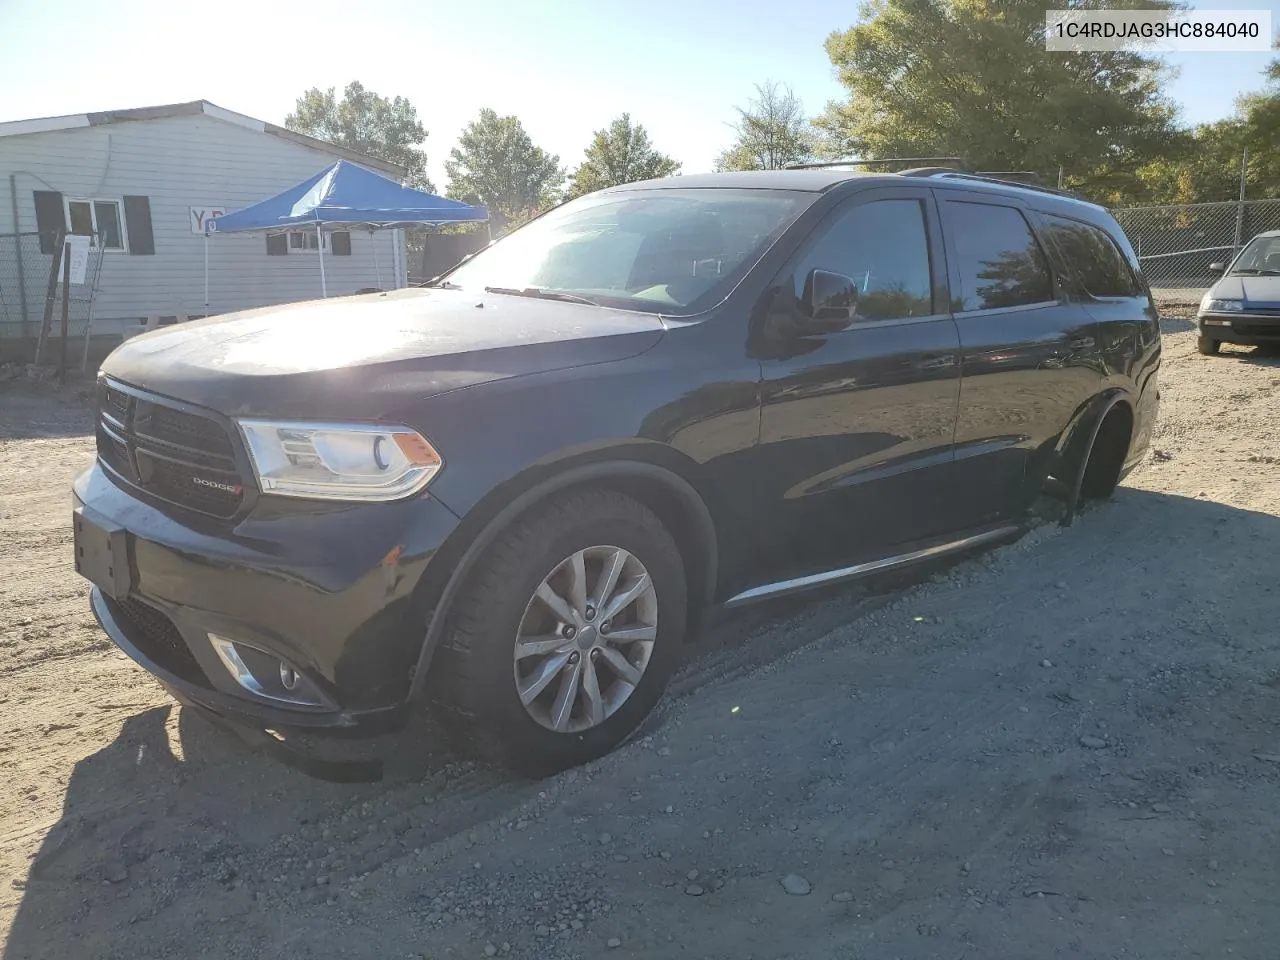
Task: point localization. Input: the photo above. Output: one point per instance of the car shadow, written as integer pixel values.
(170, 833)
(1268, 356)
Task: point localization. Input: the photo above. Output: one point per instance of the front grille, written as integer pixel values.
(168, 425)
(1261, 330)
(178, 456)
(158, 640)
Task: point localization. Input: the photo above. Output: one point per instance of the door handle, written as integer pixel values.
(936, 361)
(1081, 343)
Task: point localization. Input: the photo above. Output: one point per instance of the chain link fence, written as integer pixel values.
(29, 293)
(1176, 244)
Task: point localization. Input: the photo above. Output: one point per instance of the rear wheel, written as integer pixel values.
(1208, 346)
(1106, 456)
(565, 636)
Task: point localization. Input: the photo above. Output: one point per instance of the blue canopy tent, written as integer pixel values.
(346, 195)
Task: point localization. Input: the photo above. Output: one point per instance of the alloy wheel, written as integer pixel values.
(585, 639)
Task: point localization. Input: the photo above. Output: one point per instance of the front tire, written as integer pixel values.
(565, 635)
(1208, 346)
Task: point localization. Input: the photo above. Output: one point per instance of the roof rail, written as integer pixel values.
(927, 171)
(983, 178)
(1022, 176)
(866, 163)
(1002, 177)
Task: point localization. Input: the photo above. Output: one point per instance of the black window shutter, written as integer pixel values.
(50, 218)
(341, 243)
(277, 244)
(137, 220)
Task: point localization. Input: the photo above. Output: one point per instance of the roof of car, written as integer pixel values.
(820, 180)
(814, 181)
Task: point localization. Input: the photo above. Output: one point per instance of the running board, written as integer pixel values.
(783, 587)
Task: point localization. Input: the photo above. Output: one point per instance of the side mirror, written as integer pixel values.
(1217, 268)
(831, 300)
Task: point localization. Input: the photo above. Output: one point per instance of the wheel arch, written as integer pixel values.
(1090, 416)
(1076, 443)
(653, 476)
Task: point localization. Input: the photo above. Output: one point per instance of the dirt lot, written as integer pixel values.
(1069, 747)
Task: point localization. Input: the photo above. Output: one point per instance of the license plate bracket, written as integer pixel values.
(101, 553)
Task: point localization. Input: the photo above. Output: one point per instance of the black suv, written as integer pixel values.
(514, 493)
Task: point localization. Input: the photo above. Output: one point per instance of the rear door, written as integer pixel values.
(1113, 294)
(1029, 354)
(856, 426)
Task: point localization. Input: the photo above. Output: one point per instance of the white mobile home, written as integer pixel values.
(142, 183)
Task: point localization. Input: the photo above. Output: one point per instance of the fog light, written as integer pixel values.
(264, 674)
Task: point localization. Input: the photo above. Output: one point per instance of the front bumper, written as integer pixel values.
(1246, 329)
(329, 589)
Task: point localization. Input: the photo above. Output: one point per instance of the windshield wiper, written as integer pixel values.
(1254, 272)
(536, 294)
(442, 285)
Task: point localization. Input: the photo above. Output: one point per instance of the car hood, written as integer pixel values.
(1254, 291)
(359, 357)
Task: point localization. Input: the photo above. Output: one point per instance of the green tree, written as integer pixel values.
(496, 164)
(364, 121)
(772, 132)
(972, 79)
(1207, 167)
(620, 153)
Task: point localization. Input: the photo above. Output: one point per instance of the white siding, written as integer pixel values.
(181, 162)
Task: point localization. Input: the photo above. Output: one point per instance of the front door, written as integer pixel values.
(856, 426)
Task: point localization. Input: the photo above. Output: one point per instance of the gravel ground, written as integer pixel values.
(1068, 747)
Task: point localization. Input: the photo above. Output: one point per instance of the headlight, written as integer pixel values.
(1222, 306)
(339, 461)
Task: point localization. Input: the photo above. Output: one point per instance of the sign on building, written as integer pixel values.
(79, 245)
(200, 216)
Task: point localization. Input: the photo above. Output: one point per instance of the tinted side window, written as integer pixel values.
(1092, 258)
(1001, 263)
(883, 247)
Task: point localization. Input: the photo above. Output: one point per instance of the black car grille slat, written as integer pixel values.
(178, 453)
(114, 432)
(181, 457)
(1256, 329)
(116, 400)
(174, 481)
(158, 640)
(115, 454)
(184, 429)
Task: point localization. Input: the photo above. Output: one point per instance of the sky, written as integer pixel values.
(564, 67)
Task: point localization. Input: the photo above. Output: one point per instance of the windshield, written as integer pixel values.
(1261, 256)
(662, 251)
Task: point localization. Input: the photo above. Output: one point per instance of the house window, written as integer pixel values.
(103, 220)
(305, 240)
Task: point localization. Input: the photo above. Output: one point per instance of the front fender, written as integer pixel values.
(482, 528)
